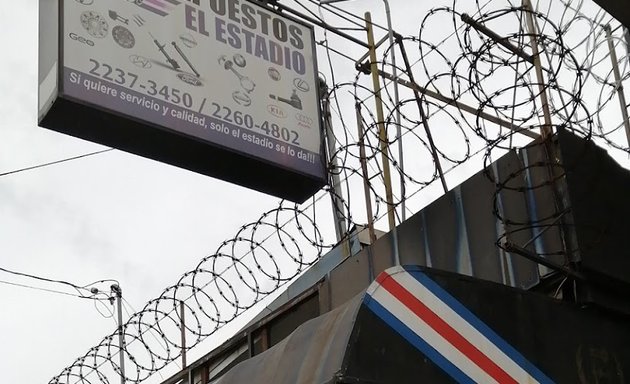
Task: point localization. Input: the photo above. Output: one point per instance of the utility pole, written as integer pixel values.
(380, 122)
(182, 326)
(118, 294)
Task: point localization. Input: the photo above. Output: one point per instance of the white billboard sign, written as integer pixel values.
(229, 72)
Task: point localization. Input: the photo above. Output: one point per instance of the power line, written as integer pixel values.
(55, 162)
(78, 288)
(43, 289)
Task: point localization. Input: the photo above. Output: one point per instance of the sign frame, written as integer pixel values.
(64, 113)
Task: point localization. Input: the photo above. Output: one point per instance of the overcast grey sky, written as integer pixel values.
(109, 216)
(114, 215)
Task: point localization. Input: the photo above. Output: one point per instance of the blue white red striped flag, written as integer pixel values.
(445, 331)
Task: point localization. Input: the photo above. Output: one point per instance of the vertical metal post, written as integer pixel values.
(401, 159)
(618, 84)
(340, 224)
(182, 327)
(399, 137)
(547, 129)
(364, 173)
(205, 374)
(118, 293)
(250, 344)
(264, 339)
(382, 131)
(561, 198)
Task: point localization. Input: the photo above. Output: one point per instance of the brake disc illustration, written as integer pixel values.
(123, 37)
(95, 24)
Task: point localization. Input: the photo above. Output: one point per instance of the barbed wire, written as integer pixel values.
(482, 77)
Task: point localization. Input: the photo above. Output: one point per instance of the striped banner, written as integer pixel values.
(159, 7)
(445, 331)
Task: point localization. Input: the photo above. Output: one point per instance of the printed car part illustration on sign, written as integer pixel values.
(181, 82)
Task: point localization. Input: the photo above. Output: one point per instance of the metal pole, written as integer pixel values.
(464, 107)
(497, 38)
(364, 171)
(283, 8)
(561, 198)
(401, 159)
(425, 122)
(118, 293)
(547, 129)
(382, 131)
(399, 137)
(183, 331)
(335, 195)
(618, 84)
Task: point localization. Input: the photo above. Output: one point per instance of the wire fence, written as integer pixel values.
(547, 67)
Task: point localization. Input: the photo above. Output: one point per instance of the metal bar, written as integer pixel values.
(205, 374)
(183, 331)
(364, 171)
(591, 277)
(250, 344)
(618, 84)
(118, 292)
(382, 130)
(264, 339)
(512, 248)
(390, 37)
(378, 44)
(547, 129)
(462, 106)
(561, 198)
(497, 38)
(425, 122)
(399, 137)
(335, 195)
(319, 23)
(549, 226)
